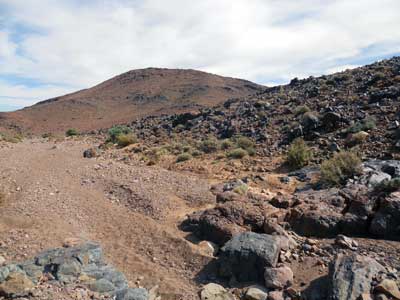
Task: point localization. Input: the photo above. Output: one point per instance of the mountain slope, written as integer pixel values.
(131, 95)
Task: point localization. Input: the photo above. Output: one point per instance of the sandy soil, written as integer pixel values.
(52, 193)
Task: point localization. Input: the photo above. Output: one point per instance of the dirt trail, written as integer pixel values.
(53, 193)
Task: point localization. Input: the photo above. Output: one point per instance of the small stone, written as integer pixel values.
(256, 293)
(346, 242)
(278, 278)
(16, 284)
(275, 295)
(2, 260)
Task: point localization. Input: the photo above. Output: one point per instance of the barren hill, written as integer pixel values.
(131, 95)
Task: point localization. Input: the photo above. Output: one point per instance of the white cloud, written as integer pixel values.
(81, 43)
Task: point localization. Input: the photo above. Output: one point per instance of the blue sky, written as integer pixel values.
(52, 47)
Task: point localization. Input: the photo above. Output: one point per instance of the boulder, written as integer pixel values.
(247, 255)
(278, 278)
(275, 295)
(350, 276)
(16, 284)
(389, 288)
(386, 221)
(256, 293)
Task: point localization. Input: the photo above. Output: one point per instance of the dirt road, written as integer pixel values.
(52, 193)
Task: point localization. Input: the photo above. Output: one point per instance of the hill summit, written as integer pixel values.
(131, 95)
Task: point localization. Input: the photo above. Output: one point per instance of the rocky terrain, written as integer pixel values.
(290, 193)
(128, 96)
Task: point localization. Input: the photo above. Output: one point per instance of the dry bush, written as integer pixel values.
(342, 166)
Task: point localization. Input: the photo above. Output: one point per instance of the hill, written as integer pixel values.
(129, 96)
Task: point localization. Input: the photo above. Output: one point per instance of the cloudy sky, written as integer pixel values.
(52, 47)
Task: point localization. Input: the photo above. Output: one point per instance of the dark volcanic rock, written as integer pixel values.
(386, 221)
(351, 276)
(247, 255)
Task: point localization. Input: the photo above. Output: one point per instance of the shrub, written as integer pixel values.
(183, 157)
(299, 154)
(209, 145)
(341, 167)
(357, 138)
(365, 125)
(241, 189)
(244, 143)
(302, 110)
(71, 132)
(237, 153)
(116, 131)
(196, 153)
(124, 140)
(226, 144)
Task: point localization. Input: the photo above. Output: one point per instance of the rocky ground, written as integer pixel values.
(192, 209)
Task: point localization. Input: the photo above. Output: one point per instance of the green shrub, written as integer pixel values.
(365, 125)
(116, 131)
(196, 153)
(237, 153)
(299, 154)
(342, 166)
(226, 144)
(241, 189)
(71, 132)
(209, 145)
(124, 140)
(244, 143)
(183, 157)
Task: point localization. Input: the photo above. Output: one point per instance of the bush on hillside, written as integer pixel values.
(342, 166)
(209, 145)
(116, 131)
(238, 153)
(71, 132)
(299, 154)
(183, 157)
(124, 140)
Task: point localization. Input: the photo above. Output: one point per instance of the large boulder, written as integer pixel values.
(386, 221)
(82, 263)
(247, 255)
(318, 213)
(350, 276)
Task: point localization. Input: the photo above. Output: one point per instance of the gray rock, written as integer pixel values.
(351, 276)
(246, 256)
(101, 286)
(4, 271)
(214, 291)
(132, 294)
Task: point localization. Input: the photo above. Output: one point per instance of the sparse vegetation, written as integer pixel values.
(299, 154)
(241, 189)
(365, 125)
(237, 153)
(227, 144)
(357, 138)
(116, 131)
(124, 140)
(301, 110)
(183, 157)
(11, 138)
(209, 145)
(72, 132)
(342, 166)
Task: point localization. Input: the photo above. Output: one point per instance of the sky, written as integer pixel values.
(52, 47)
